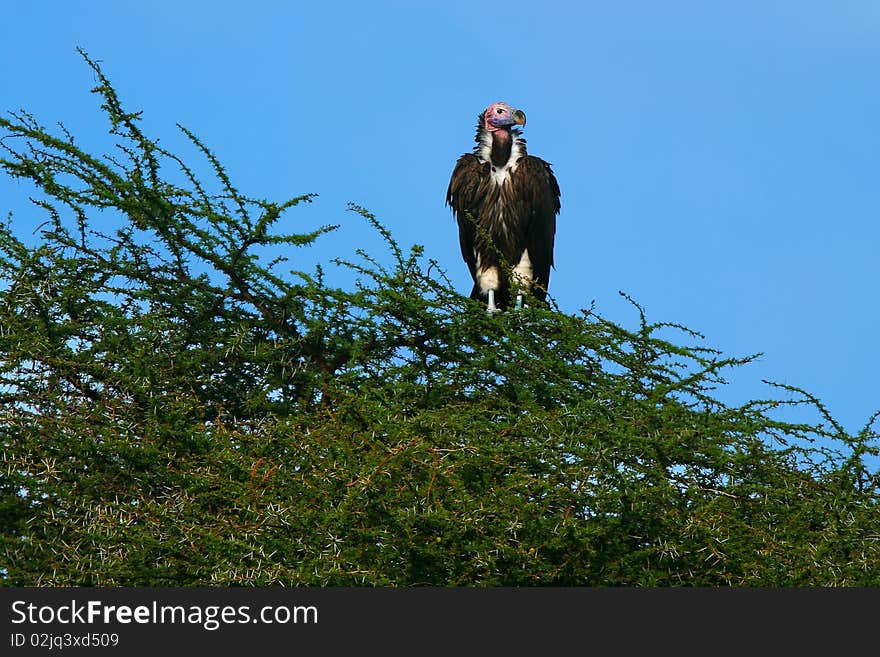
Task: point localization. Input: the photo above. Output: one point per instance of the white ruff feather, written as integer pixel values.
(484, 152)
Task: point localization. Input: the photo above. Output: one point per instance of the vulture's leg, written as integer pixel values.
(492, 308)
(519, 301)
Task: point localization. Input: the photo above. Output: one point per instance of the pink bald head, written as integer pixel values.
(500, 115)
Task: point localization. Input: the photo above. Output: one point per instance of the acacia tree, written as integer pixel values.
(177, 408)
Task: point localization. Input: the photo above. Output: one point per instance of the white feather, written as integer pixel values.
(484, 152)
(488, 279)
(522, 272)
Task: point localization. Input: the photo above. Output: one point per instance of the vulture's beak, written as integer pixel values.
(519, 117)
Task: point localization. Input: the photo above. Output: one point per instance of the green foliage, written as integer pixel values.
(175, 409)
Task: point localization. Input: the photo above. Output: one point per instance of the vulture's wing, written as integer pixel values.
(539, 193)
(463, 196)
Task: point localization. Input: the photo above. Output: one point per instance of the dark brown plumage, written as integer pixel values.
(505, 202)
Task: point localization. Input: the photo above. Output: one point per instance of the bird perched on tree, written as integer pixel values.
(505, 202)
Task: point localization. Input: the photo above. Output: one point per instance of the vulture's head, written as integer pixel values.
(501, 115)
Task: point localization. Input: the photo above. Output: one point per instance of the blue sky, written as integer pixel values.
(718, 161)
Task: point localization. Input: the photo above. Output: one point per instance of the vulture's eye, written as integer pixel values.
(499, 111)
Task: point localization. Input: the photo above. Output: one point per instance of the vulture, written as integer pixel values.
(505, 202)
